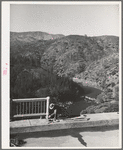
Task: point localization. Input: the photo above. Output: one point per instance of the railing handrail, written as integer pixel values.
(31, 103)
(29, 99)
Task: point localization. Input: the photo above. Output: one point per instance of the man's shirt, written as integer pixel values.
(57, 108)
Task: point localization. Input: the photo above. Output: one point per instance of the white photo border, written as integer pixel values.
(5, 64)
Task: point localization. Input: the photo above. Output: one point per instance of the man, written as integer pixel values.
(54, 111)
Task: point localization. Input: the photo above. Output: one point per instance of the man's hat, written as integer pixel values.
(52, 106)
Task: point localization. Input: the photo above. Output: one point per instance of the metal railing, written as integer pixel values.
(31, 107)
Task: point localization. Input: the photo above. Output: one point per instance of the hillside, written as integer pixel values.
(71, 54)
(108, 38)
(104, 73)
(110, 43)
(42, 62)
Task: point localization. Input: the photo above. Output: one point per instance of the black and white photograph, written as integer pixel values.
(61, 75)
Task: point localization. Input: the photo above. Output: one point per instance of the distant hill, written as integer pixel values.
(110, 43)
(111, 38)
(32, 36)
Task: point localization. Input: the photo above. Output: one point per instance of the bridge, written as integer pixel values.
(40, 107)
(34, 127)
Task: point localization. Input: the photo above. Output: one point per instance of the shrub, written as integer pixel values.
(114, 107)
(88, 110)
(100, 98)
(103, 107)
(101, 110)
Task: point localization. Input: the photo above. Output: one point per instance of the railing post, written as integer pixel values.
(47, 108)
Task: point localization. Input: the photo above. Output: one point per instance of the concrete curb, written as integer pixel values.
(64, 125)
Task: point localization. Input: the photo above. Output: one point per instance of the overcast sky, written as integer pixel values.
(65, 19)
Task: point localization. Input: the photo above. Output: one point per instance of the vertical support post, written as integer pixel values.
(41, 107)
(20, 107)
(35, 107)
(44, 102)
(26, 107)
(47, 108)
(32, 107)
(38, 107)
(29, 107)
(23, 107)
(17, 108)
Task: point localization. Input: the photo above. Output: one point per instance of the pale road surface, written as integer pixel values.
(102, 137)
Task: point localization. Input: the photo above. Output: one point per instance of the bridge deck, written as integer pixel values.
(34, 125)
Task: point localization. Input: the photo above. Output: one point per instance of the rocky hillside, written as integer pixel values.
(71, 54)
(104, 74)
(36, 56)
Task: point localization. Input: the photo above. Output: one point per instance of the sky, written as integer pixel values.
(92, 20)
